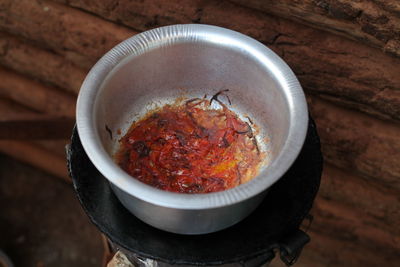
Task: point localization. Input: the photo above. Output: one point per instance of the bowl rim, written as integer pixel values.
(165, 36)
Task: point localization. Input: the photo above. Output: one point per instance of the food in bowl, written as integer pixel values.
(191, 147)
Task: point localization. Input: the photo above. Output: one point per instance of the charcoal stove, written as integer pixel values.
(273, 226)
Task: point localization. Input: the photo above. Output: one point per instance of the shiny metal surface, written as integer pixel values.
(157, 66)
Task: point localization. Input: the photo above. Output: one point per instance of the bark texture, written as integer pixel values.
(373, 22)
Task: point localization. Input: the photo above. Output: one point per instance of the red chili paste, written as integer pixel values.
(190, 148)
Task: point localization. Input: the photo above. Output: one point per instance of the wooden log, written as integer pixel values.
(63, 27)
(368, 21)
(327, 250)
(351, 223)
(350, 237)
(347, 188)
(19, 122)
(35, 126)
(351, 73)
(83, 61)
(35, 95)
(40, 154)
(9, 107)
(38, 63)
(36, 156)
(325, 64)
(54, 146)
(354, 141)
(142, 15)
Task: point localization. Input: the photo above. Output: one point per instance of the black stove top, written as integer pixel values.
(277, 218)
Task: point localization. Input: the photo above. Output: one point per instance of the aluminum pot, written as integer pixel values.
(157, 66)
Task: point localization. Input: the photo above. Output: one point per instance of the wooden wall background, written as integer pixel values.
(345, 53)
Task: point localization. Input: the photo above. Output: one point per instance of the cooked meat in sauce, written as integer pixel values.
(191, 148)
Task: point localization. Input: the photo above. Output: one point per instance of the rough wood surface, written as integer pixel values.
(376, 200)
(344, 222)
(327, 250)
(36, 95)
(373, 22)
(38, 63)
(35, 126)
(36, 156)
(55, 146)
(9, 107)
(350, 226)
(46, 155)
(357, 142)
(58, 27)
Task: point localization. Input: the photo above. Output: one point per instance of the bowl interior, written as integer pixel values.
(194, 69)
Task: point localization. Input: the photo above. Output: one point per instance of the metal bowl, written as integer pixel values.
(157, 66)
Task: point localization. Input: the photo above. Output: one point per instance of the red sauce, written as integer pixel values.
(190, 149)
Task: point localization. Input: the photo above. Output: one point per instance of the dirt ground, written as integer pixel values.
(41, 221)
